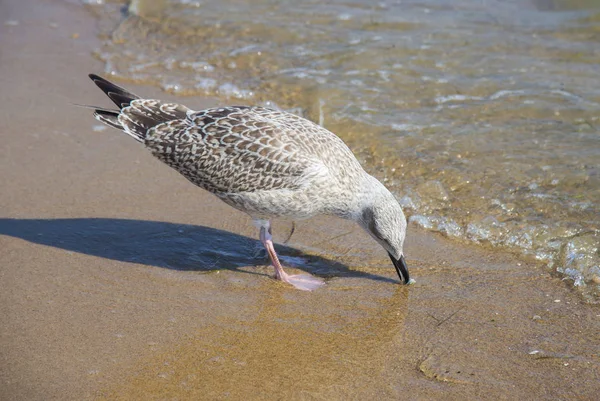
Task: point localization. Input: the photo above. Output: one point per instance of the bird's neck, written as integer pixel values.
(367, 193)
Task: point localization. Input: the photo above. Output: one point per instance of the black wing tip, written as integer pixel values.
(97, 78)
(104, 83)
(120, 96)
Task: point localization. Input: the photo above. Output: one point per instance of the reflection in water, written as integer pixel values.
(482, 116)
(328, 345)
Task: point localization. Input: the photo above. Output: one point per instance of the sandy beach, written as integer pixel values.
(121, 280)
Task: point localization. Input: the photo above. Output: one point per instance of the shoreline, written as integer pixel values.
(111, 269)
(461, 185)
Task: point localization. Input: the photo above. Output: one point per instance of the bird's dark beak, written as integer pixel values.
(400, 265)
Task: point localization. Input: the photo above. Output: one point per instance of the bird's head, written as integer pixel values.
(384, 220)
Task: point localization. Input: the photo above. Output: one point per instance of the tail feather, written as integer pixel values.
(135, 123)
(110, 118)
(135, 116)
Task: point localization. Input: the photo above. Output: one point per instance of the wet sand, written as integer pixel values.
(120, 280)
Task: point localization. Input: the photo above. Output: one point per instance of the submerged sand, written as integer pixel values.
(120, 280)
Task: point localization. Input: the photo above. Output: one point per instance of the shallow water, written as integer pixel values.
(482, 117)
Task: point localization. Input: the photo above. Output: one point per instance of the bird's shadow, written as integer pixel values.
(168, 245)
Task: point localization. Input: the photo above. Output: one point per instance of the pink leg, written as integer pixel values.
(267, 240)
(304, 282)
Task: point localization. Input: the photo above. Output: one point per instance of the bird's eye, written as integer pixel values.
(369, 218)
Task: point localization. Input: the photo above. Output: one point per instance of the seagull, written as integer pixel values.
(267, 163)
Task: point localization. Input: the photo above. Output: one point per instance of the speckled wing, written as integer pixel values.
(140, 115)
(233, 150)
